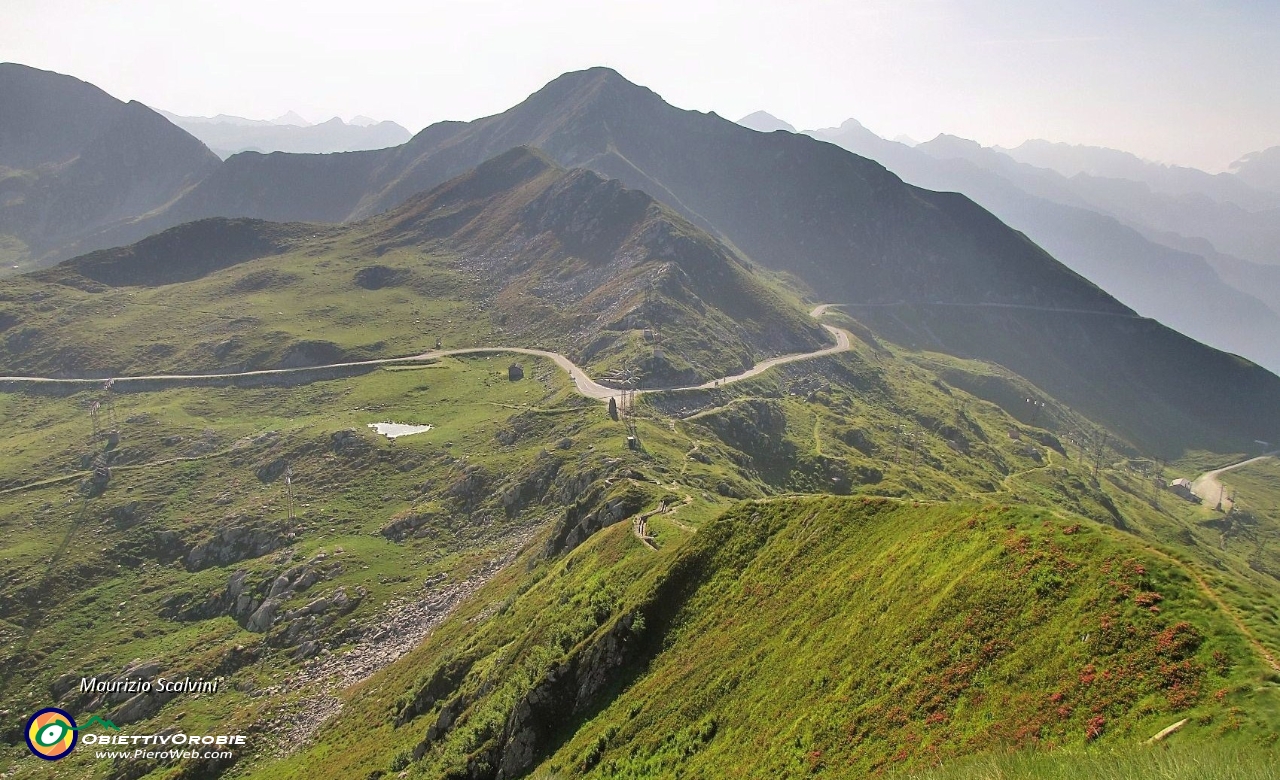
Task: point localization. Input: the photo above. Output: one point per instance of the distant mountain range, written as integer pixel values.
(1096, 161)
(228, 135)
(927, 269)
(1118, 233)
(765, 122)
(1260, 169)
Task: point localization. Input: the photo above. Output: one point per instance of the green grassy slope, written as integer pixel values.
(877, 422)
(1197, 761)
(811, 636)
(94, 579)
(603, 612)
(518, 252)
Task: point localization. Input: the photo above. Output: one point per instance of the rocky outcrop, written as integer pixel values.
(409, 524)
(272, 470)
(312, 352)
(236, 539)
(126, 515)
(251, 601)
(858, 439)
(755, 426)
(303, 628)
(348, 442)
(592, 511)
(567, 690)
(443, 680)
(529, 486)
(264, 616)
(469, 489)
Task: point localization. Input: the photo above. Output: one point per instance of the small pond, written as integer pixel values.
(395, 430)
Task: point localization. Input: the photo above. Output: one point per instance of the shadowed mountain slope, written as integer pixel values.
(842, 224)
(1240, 221)
(1176, 284)
(73, 159)
(517, 252)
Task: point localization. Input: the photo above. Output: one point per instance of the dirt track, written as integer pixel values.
(1209, 488)
(584, 384)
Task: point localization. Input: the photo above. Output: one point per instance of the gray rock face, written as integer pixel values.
(566, 691)
(239, 538)
(530, 486)
(591, 512)
(469, 488)
(411, 524)
(263, 616)
(125, 516)
(272, 470)
(245, 597)
(347, 442)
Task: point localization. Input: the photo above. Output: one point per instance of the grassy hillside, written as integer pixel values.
(101, 577)
(518, 252)
(1203, 761)
(935, 269)
(527, 463)
(811, 636)
(617, 617)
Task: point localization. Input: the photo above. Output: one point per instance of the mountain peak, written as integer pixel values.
(765, 122)
(290, 118)
(948, 141)
(581, 87)
(497, 175)
(524, 160)
(1260, 169)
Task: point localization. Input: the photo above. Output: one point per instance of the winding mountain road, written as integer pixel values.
(582, 382)
(1209, 488)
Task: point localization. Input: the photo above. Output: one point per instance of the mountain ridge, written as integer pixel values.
(536, 253)
(834, 221)
(79, 160)
(229, 135)
(1193, 293)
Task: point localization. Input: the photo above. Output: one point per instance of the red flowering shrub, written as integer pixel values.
(1147, 599)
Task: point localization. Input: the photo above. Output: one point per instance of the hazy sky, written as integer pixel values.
(1195, 83)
